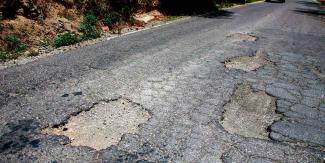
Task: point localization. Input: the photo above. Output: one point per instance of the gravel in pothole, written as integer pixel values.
(103, 125)
(248, 63)
(242, 37)
(249, 113)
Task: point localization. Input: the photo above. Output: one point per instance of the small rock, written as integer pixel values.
(27, 53)
(144, 18)
(67, 27)
(105, 29)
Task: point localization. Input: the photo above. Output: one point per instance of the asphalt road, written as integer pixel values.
(176, 73)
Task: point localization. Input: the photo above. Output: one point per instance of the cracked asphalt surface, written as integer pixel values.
(177, 73)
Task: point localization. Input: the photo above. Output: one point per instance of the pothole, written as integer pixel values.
(249, 113)
(103, 125)
(242, 37)
(248, 63)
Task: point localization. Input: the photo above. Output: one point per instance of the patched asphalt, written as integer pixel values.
(177, 74)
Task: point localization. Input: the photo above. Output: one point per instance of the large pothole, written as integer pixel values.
(103, 125)
(242, 37)
(248, 63)
(249, 113)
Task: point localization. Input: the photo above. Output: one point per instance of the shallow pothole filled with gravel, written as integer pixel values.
(248, 63)
(242, 37)
(103, 125)
(249, 113)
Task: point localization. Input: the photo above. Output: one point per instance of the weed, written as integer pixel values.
(90, 35)
(250, 1)
(131, 20)
(110, 19)
(3, 56)
(1, 27)
(126, 12)
(33, 53)
(87, 27)
(227, 4)
(172, 17)
(65, 39)
(15, 45)
(89, 21)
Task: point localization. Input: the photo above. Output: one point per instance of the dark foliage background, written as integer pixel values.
(183, 7)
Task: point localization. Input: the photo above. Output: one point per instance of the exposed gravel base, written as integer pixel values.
(249, 113)
(248, 63)
(103, 125)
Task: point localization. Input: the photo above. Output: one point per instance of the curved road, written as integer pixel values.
(177, 74)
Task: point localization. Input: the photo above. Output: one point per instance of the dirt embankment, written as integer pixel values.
(32, 27)
(29, 25)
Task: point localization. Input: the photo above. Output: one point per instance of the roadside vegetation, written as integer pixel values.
(231, 3)
(321, 2)
(33, 27)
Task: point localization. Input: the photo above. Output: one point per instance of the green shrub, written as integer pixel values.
(87, 27)
(3, 56)
(90, 35)
(88, 23)
(126, 12)
(65, 39)
(131, 20)
(1, 27)
(227, 4)
(110, 19)
(250, 1)
(187, 7)
(15, 45)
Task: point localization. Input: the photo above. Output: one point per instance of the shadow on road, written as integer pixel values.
(311, 12)
(276, 1)
(310, 4)
(311, 9)
(222, 14)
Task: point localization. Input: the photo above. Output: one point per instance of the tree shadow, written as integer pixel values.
(220, 14)
(19, 135)
(274, 1)
(187, 7)
(311, 9)
(311, 12)
(308, 3)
